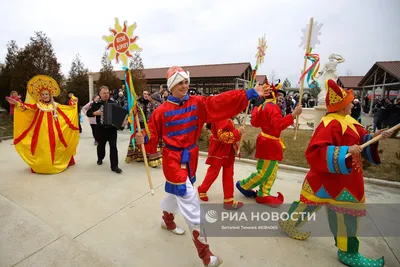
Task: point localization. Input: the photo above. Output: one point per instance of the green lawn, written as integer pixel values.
(294, 153)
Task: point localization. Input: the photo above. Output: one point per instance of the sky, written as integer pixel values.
(179, 32)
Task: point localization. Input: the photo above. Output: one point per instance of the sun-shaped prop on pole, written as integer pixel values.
(261, 50)
(121, 42)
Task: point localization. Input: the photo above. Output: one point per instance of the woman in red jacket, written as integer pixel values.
(335, 181)
(221, 153)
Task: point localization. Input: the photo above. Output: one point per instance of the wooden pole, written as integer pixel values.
(243, 124)
(375, 139)
(304, 70)
(373, 94)
(145, 156)
(247, 110)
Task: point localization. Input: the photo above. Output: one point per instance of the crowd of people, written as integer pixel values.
(47, 135)
(386, 113)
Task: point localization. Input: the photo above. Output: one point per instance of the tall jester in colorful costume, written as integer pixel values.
(46, 134)
(335, 181)
(269, 148)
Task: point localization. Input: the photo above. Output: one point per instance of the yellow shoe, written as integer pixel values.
(292, 231)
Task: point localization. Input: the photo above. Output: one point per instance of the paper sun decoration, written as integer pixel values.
(314, 35)
(121, 42)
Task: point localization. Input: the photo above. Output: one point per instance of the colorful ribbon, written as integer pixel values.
(132, 105)
(312, 71)
(253, 77)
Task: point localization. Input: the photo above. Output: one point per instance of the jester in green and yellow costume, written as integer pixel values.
(269, 148)
(335, 181)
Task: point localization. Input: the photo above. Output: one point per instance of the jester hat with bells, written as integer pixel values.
(337, 97)
(275, 90)
(175, 75)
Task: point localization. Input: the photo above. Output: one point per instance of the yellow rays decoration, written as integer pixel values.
(345, 121)
(121, 42)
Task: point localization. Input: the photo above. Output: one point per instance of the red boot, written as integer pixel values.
(271, 200)
(169, 224)
(203, 195)
(232, 204)
(203, 249)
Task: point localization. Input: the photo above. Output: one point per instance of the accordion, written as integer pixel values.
(114, 115)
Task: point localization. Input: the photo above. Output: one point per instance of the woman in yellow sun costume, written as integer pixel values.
(46, 134)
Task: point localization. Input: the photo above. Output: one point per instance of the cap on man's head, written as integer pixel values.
(175, 75)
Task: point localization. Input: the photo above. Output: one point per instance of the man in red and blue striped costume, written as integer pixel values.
(179, 122)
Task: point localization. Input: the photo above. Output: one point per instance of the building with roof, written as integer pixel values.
(382, 80)
(350, 82)
(207, 79)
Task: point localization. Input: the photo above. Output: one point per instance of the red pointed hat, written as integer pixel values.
(337, 97)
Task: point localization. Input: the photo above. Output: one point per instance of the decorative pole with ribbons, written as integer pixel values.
(375, 139)
(261, 50)
(120, 43)
(309, 40)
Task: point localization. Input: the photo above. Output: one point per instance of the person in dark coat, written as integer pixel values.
(356, 110)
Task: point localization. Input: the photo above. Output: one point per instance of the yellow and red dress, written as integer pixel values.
(47, 144)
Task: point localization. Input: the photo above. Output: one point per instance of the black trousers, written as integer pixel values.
(94, 126)
(104, 135)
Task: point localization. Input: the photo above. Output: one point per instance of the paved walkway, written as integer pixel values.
(90, 216)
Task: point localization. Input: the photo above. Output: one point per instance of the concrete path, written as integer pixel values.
(90, 216)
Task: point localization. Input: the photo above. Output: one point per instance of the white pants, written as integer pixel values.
(189, 205)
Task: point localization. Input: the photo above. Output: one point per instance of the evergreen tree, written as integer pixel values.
(286, 84)
(7, 72)
(78, 80)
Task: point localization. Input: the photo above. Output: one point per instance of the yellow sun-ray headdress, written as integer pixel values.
(41, 83)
